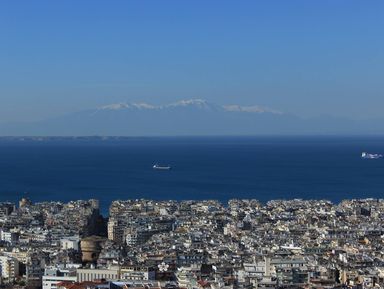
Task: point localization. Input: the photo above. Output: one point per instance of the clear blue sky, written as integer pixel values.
(302, 57)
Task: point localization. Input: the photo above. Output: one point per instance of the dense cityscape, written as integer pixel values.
(193, 244)
(191, 144)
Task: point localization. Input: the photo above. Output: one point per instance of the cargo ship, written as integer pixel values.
(158, 167)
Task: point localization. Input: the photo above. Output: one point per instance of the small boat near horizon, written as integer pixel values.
(365, 155)
(158, 167)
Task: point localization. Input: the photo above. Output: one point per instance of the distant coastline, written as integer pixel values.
(38, 138)
(192, 201)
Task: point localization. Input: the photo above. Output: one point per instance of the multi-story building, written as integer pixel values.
(116, 231)
(53, 276)
(137, 273)
(6, 209)
(97, 274)
(70, 243)
(9, 237)
(9, 268)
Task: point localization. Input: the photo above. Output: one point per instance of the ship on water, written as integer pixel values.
(158, 167)
(366, 155)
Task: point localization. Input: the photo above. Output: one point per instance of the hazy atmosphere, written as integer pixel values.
(202, 144)
(302, 58)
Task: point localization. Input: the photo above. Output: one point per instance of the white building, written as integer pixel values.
(97, 274)
(70, 243)
(137, 273)
(9, 267)
(9, 237)
(53, 276)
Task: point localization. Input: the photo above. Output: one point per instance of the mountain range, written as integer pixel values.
(186, 117)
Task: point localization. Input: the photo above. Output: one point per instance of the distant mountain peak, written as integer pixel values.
(193, 103)
(114, 106)
(143, 105)
(198, 102)
(250, 109)
(186, 117)
(123, 105)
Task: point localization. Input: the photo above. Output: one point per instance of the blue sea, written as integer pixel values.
(220, 168)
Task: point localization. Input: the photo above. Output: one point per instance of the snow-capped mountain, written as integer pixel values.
(252, 109)
(194, 104)
(120, 106)
(185, 117)
(197, 104)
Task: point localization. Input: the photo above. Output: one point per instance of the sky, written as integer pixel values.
(307, 58)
